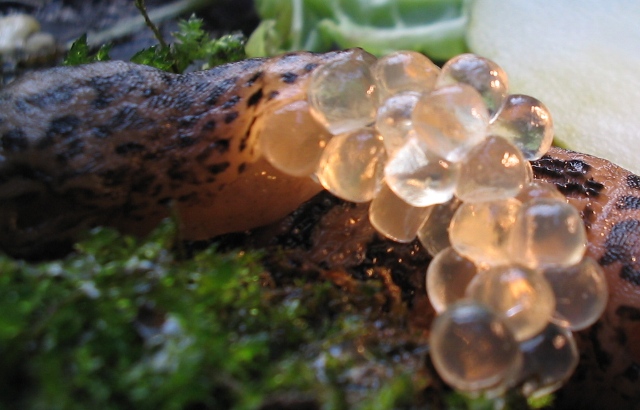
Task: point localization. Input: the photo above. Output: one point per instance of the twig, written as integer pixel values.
(137, 23)
(143, 11)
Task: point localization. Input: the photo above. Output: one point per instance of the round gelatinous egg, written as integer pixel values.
(493, 169)
(530, 175)
(343, 95)
(581, 294)
(539, 189)
(292, 141)
(548, 233)
(482, 74)
(393, 120)
(527, 123)
(394, 218)
(520, 296)
(434, 232)
(405, 71)
(419, 177)
(351, 166)
(451, 120)
(471, 347)
(481, 230)
(448, 276)
(549, 359)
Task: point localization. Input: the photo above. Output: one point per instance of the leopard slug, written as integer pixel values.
(608, 198)
(122, 144)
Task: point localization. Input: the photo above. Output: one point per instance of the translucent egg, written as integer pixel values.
(451, 120)
(393, 120)
(343, 96)
(292, 141)
(548, 233)
(481, 230)
(581, 294)
(394, 218)
(493, 169)
(434, 232)
(549, 359)
(351, 166)
(527, 123)
(539, 189)
(471, 348)
(448, 276)
(520, 296)
(419, 177)
(405, 71)
(530, 175)
(482, 74)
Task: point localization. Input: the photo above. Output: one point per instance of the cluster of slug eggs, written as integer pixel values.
(443, 154)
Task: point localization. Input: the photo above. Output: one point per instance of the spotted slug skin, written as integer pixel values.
(608, 198)
(124, 145)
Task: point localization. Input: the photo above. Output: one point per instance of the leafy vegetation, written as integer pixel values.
(192, 44)
(434, 27)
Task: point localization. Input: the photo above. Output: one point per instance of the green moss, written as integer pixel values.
(79, 53)
(192, 44)
(124, 323)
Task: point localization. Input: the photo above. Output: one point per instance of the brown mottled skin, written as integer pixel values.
(121, 144)
(608, 198)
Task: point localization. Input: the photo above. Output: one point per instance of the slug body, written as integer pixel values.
(121, 144)
(608, 198)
